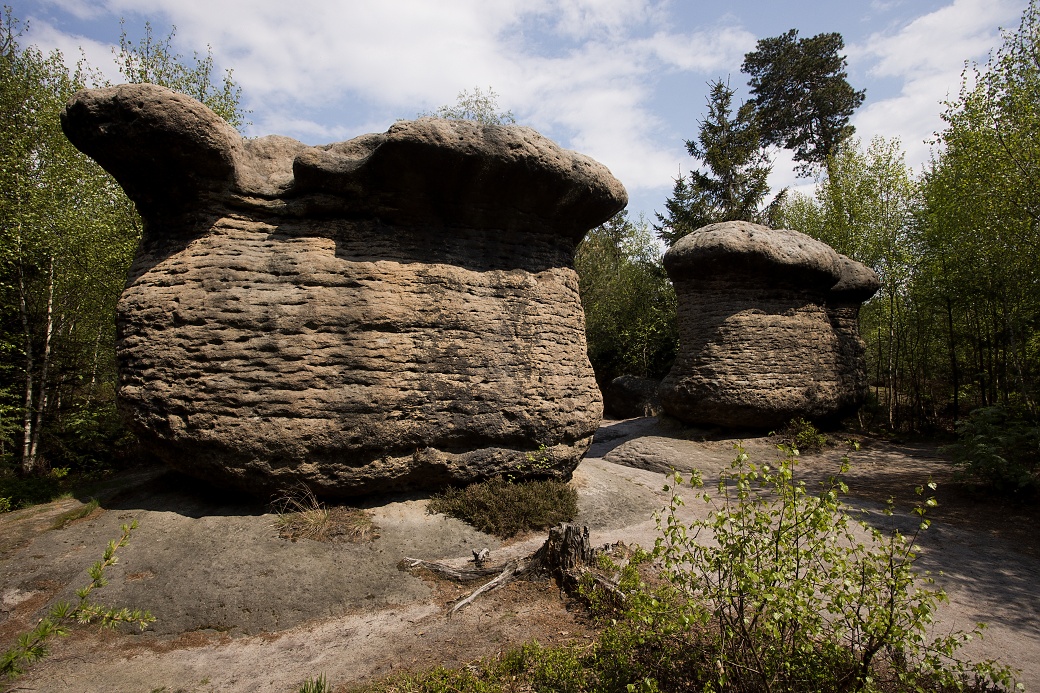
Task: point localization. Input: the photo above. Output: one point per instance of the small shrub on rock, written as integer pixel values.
(506, 508)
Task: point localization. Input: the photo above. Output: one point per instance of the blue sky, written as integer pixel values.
(623, 81)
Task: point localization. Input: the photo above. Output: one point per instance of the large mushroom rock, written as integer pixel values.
(768, 328)
(395, 311)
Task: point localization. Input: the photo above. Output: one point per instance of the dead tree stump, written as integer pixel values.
(565, 556)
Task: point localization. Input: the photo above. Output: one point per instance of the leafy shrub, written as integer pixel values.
(999, 447)
(506, 508)
(90, 438)
(23, 491)
(793, 595)
(802, 435)
(787, 594)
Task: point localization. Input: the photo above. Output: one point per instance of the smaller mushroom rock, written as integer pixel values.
(768, 328)
(395, 311)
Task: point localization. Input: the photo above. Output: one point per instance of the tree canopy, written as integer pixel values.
(629, 302)
(802, 95)
(67, 237)
(956, 324)
(735, 182)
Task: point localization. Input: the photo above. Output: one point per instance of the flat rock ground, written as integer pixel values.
(240, 609)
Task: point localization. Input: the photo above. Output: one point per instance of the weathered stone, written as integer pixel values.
(768, 328)
(629, 396)
(395, 311)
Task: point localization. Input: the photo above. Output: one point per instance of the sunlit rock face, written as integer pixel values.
(395, 311)
(768, 328)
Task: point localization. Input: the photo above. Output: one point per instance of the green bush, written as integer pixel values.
(778, 590)
(999, 447)
(24, 491)
(802, 435)
(793, 595)
(506, 508)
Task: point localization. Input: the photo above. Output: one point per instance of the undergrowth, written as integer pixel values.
(801, 435)
(507, 508)
(777, 590)
(999, 447)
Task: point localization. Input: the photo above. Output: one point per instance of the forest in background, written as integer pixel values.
(953, 330)
(67, 237)
(953, 335)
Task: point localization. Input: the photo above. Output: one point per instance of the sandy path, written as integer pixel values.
(240, 609)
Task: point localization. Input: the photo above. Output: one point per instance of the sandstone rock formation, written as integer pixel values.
(768, 328)
(629, 396)
(394, 311)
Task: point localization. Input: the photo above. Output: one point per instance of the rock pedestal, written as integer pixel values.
(395, 311)
(768, 328)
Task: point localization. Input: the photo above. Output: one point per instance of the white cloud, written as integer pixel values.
(585, 18)
(927, 55)
(72, 47)
(585, 72)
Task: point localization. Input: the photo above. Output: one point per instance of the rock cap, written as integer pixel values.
(167, 149)
(758, 252)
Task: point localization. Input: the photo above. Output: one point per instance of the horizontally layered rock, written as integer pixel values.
(394, 311)
(768, 328)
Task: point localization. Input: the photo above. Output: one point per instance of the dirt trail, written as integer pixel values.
(240, 609)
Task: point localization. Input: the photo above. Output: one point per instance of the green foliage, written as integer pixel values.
(794, 595)
(956, 324)
(629, 303)
(478, 105)
(999, 447)
(869, 208)
(318, 685)
(24, 491)
(67, 237)
(801, 436)
(152, 60)
(777, 590)
(813, 125)
(32, 646)
(506, 508)
(735, 183)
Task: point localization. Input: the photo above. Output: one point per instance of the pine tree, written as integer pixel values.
(735, 182)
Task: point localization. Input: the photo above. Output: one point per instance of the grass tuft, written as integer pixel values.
(69, 516)
(506, 508)
(302, 516)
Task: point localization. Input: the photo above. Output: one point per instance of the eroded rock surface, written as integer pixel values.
(768, 328)
(394, 311)
(629, 396)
